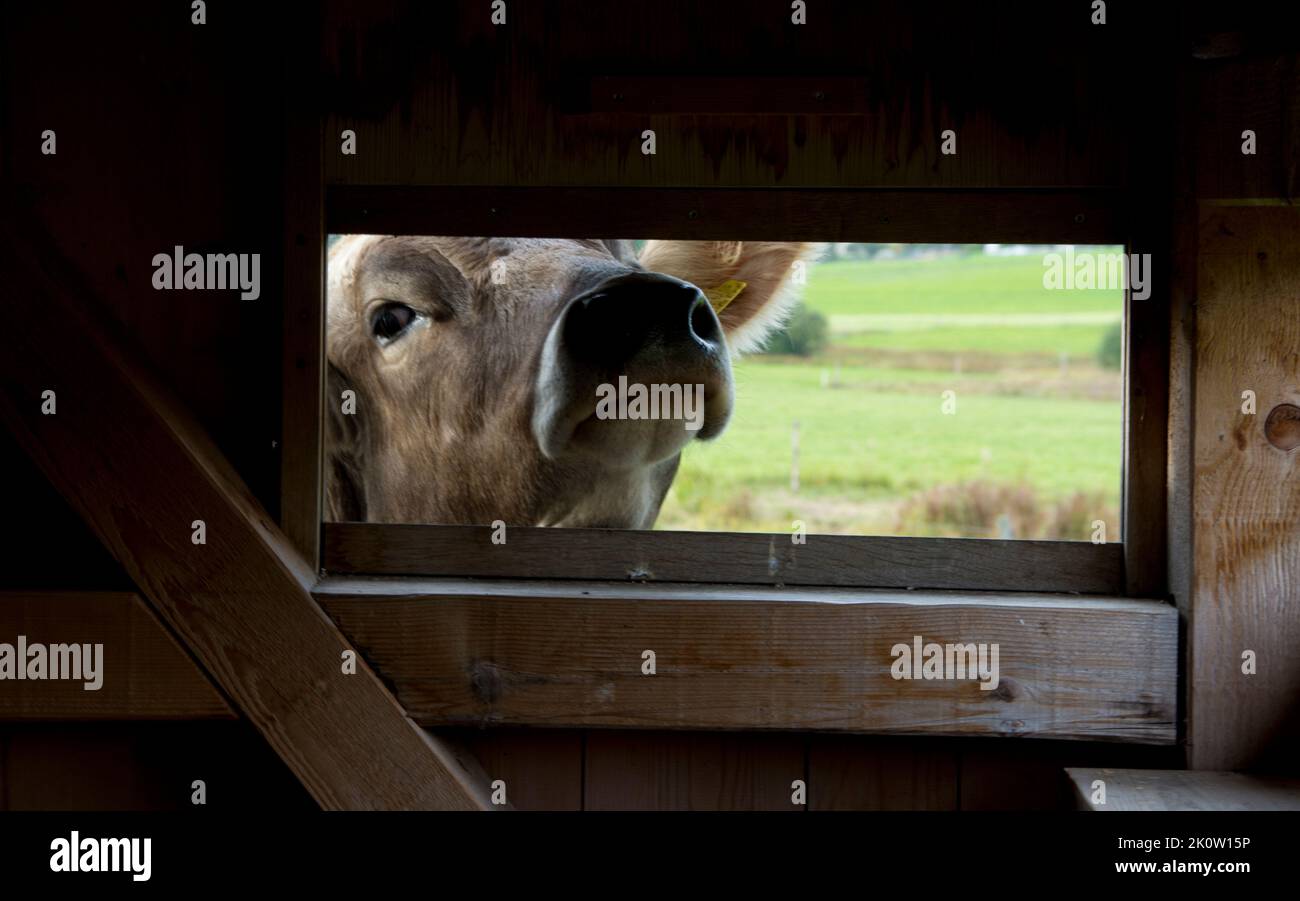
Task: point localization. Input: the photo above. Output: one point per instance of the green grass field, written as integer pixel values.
(977, 283)
(1074, 340)
(1037, 428)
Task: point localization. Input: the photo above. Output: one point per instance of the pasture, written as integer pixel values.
(1033, 448)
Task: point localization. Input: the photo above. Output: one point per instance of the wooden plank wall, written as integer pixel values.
(138, 468)
(607, 769)
(195, 157)
(167, 134)
(526, 104)
(150, 766)
(146, 673)
(142, 766)
(438, 95)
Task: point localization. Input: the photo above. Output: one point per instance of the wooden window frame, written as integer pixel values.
(1082, 217)
(755, 633)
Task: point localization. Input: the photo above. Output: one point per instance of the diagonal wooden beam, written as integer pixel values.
(140, 472)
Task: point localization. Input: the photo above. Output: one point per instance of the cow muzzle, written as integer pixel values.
(631, 371)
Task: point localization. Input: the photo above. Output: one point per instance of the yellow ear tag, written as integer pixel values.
(724, 294)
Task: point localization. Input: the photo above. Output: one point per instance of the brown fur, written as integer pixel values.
(443, 425)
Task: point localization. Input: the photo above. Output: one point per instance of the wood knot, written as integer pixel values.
(485, 681)
(1007, 690)
(1282, 427)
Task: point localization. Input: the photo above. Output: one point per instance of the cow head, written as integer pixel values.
(475, 366)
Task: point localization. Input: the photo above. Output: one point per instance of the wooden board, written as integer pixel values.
(685, 771)
(533, 653)
(541, 768)
(128, 183)
(1180, 467)
(737, 557)
(143, 766)
(874, 773)
(38, 555)
(1246, 516)
(1147, 352)
(146, 674)
(1260, 93)
(453, 99)
(1183, 790)
(730, 214)
(304, 329)
(138, 469)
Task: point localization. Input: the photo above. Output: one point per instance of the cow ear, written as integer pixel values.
(769, 270)
(345, 495)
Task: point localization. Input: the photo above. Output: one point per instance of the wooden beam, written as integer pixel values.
(1180, 468)
(304, 304)
(786, 214)
(146, 674)
(737, 557)
(1147, 358)
(533, 653)
(141, 474)
(1182, 790)
(1246, 496)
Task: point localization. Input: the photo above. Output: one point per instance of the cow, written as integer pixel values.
(463, 373)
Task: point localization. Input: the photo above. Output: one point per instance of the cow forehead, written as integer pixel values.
(459, 265)
(473, 254)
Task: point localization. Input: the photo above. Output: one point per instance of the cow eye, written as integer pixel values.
(391, 320)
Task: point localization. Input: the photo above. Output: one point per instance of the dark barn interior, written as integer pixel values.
(226, 137)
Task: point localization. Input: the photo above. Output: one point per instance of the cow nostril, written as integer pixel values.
(611, 326)
(704, 323)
